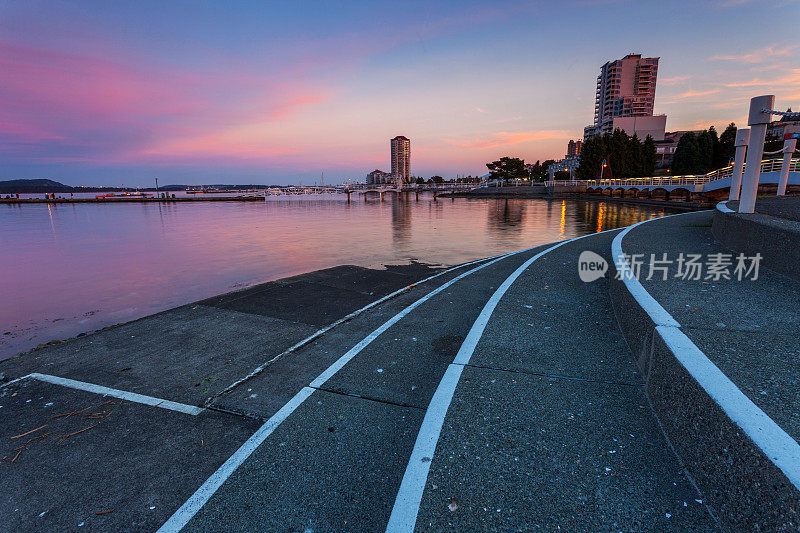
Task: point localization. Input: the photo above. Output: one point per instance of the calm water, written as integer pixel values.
(73, 268)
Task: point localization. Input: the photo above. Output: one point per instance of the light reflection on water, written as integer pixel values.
(70, 268)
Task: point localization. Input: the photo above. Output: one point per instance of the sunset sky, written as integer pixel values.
(278, 92)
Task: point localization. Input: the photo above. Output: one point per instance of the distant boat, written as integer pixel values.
(137, 194)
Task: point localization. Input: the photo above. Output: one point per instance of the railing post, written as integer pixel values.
(758, 119)
(789, 147)
(742, 139)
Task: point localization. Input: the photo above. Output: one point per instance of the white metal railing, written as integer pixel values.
(564, 183)
(767, 165)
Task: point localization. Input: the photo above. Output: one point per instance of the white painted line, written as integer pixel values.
(335, 367)
(7, 383)
(342, 320)
(185, 513)
(658, 314)
(116, 393)
(409, 496)
(776, 444)
(182, 516)
(723, 206)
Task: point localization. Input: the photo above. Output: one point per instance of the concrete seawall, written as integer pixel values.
(776, 239)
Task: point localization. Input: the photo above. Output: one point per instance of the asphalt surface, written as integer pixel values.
(549, 426)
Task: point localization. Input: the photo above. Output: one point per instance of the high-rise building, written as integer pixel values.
(574, 148)
(401, 157)
(378, 177)
(625, 88)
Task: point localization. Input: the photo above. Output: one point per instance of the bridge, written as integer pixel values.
(671, 187)
(401, 190)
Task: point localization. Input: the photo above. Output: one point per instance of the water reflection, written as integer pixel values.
(505, 215)
(78, 268)
(401, 220)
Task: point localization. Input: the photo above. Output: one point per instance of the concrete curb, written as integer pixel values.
(774, 238)
(745, 465)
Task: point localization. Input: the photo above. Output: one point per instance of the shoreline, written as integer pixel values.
(687, 206)
(130, 200)
(363, 281)
(527, 195)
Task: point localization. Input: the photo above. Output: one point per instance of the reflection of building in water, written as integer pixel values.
(504, 215)
(401, 219)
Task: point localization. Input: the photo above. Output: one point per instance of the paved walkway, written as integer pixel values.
(787, 207)
(748, 328)
(499, 395)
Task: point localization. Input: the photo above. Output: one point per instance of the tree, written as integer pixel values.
(508, 168)
(635, 163)
(619, 150)
(687, 158)
(538, 171)
(436, 179)
(648, 157)
(420, 180)
(545, 165)
(592, 155)
(727, 148)
(705, 153)
(561, 175)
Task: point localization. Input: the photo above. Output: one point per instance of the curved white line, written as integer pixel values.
(723, 206)
(658, 314)
(195, 502)
(765, 433)
(409, 496)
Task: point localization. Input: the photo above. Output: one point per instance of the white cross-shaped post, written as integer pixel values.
(760, 115)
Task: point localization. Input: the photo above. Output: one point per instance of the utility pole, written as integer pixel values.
(156, 187)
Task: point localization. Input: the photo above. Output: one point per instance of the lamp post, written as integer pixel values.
(760, 114)
(742, 138)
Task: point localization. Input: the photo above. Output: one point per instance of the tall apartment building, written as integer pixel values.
(574, 148)
(401, 157)
(626, 88)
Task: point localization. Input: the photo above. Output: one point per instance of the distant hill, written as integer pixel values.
(33, 186)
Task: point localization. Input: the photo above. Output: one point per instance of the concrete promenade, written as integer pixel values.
(497, 395)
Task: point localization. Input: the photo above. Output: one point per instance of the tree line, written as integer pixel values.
(626, 156)
(514, 168)
(700, 153)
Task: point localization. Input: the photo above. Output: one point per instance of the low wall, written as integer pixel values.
(776, 239)
(744, 487)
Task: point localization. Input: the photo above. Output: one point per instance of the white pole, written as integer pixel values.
(742, 138)
(788, 149)
(757, 121)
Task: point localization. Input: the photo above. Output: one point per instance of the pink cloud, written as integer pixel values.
(760, 55)
(505, 138)
(56, 106)
(790, 79)
(675, 80)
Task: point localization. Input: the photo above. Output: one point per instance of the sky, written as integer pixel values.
(106, 93)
